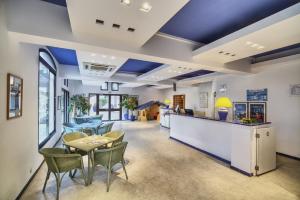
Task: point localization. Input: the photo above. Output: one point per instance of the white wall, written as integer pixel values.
(145, 93)
(283, 110)
(19, 137)
(192, 97)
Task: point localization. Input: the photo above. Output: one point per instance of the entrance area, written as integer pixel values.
(108, 105)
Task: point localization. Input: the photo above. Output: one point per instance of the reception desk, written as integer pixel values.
(249, 149)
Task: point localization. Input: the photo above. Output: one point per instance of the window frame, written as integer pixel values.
(54, 72)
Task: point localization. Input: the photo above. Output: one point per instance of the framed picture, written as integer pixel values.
(114, 86)
(59, 102)
(104, 86)
(258, 111)
(257, 95)
(240, 110)
(203, 99)
(14, 96)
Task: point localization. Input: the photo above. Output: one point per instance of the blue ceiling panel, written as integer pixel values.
(134, 66)
(208, 20)
(64, 56)
(193, 74)
(57, 2)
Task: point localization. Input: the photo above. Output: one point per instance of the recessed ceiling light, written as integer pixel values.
(112, 57)
(248, 43)
(254, 45)
(125, 2)
(104, 56)
(93, 54)
(146, 7)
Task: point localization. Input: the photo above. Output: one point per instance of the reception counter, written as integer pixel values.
(231, 142)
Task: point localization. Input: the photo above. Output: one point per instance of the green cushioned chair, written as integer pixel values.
(74, 136)
(118, 137)
(59, 161)
(104, 128)
(110, 157)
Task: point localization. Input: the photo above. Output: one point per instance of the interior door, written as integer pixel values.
(109, 105)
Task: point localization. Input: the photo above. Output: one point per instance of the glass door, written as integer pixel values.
(108, 105)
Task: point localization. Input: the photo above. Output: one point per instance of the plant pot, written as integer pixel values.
(126, 116)
(132, 118)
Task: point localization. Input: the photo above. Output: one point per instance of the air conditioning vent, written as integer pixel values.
(99, 21)
(116, 25)
(98, 68)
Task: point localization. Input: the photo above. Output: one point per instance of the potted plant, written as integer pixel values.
(79, 105)
(130, 104)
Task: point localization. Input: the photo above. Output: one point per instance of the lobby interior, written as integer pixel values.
(187, 99)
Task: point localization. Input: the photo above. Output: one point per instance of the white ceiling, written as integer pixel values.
(83, 15)
(165, 72)
(277, 31)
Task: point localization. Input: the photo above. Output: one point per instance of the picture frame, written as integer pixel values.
(114, 86)
(258, 111)
(59, 102)
(104, 86)
(257, 95)
(240, 110)
(203, 99)
(14, 96)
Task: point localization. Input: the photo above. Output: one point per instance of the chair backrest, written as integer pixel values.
(116, 135)
(58, 160)
(73, 136)
(109, 126)
(111, 156)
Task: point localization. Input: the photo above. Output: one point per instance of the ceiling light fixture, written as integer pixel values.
(104, 56)
(146, 7)
(93, 54)
(112, 57)
(125, 2)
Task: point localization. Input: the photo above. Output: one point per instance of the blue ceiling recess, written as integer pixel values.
(280, 50)
(193, 74)
(208, 20)
(133, 66)
(57, 2)
(64, 56)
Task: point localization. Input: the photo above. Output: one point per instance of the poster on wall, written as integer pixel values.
(257, 111)
(203, 100)
(240, 110)
(257, 95)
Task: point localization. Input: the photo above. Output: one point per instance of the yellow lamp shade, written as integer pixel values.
(167, 101)
(223, 102)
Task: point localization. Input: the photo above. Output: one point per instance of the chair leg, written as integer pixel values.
(58, 181)
(46, 180)
(123, 164)
(108, 179)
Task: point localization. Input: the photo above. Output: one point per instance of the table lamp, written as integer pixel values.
(167, 102)
(223, 103)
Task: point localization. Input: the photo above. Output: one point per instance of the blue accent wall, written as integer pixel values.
(57, 2)
(64, 56)
(208, 20)
(193, 74)
(134, 66)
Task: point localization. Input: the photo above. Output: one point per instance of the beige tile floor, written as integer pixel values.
(160, 168)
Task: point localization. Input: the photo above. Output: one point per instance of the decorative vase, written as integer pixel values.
(223, 115)
(126, 116)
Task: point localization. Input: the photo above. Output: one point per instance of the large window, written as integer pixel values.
(108, 105)
(47, 96)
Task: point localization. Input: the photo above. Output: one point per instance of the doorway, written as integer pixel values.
(108, 105)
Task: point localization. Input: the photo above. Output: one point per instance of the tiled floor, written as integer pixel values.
(162, 169)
